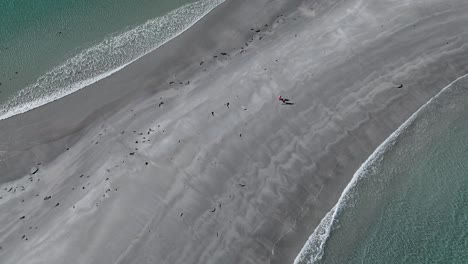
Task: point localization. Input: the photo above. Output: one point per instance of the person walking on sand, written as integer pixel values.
(284, 100)
(281, 99)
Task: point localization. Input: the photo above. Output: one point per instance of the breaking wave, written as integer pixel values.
(314, 248)
(109, 56)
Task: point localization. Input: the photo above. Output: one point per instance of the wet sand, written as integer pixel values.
(152, 165)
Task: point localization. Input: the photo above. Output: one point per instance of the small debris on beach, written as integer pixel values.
(34, 170)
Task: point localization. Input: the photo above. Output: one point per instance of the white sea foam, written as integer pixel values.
(112, 54)
(313, 249)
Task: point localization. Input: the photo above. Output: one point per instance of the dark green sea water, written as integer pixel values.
(409, 202)
(51, 48)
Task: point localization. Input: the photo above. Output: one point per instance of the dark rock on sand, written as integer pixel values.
(34, 170)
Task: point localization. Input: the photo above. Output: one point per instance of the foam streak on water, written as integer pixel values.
(105, 58)
(313, 250)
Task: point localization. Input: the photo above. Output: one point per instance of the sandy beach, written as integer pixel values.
(187, 156)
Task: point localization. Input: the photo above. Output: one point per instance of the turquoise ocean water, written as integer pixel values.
(408, 203)
(49, 48)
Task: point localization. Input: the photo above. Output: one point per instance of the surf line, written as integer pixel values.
(314, 247)
(52, 85)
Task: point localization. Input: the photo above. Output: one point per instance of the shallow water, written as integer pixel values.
(51, 48)
(409, 202)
